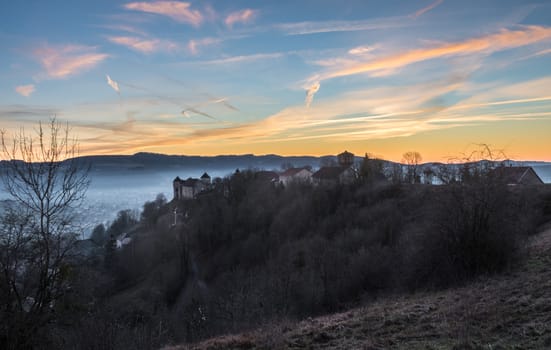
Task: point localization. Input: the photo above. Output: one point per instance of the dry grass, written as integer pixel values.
(508, 311)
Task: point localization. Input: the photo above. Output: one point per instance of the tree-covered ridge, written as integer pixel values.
(249, 251)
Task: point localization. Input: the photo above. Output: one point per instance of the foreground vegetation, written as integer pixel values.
(246, 253)
(505, 311)
(251, 252)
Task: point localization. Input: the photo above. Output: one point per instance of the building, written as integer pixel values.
(295, 175)
(345, 159)
(205, 179)
(266, 176)
(190, 188)
(332, 175)
(517, 175)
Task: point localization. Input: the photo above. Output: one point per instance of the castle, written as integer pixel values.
(189, 188)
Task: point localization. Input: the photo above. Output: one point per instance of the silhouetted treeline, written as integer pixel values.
(249, 251)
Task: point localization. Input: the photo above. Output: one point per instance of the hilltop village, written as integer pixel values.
(343, 172)
(346, 170)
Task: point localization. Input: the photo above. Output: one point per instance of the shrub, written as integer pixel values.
(475, 231)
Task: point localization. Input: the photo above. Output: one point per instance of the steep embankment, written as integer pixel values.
(508, 311)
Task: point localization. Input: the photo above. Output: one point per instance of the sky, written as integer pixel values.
(301, 77)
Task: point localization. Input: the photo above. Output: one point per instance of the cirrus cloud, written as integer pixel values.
(176, 10)
(504, 39)
(390, 64)
(242, 16)
(426, 9)
(143, 45)
(63, 61)
(194, 45)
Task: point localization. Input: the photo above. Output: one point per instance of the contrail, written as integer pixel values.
(211, 98)
(222, 100)
(187, 108)
(194, 109)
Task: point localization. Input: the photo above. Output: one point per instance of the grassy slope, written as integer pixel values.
(508, 311)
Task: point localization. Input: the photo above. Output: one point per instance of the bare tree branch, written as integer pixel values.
(45, 182)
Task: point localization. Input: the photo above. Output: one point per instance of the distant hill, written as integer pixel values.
(157, 162)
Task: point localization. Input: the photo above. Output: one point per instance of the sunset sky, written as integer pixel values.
(300, 77)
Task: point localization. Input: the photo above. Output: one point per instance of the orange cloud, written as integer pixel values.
(375, 114)
(243, 16)
(143, 45)
(25, 90)
(505, 39)
(178, 11)
(387, 116)
(63, 61)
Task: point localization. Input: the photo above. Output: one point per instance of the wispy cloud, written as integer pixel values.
(361, 50)
(244, 58)
(19, 112)
(371, 114)
(309, 27)
(242, 16)
(194, 45)
(310, 92)
(543, 52)
(143, 45)
(537, 54)
(126, 127)
(504, 39)
(25, 90)
(210, 13)
(176, 10)
(124, 28)
(66, 60)
(502, 93)
(334, 62)
(426, 9)
(387, 112)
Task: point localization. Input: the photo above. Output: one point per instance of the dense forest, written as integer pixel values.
(250, 251)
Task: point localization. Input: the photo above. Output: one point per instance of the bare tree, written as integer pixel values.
(475, 165)
(45, 182)
(412, 160)
(479, 220)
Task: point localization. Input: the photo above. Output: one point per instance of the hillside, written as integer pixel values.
(506, 311)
